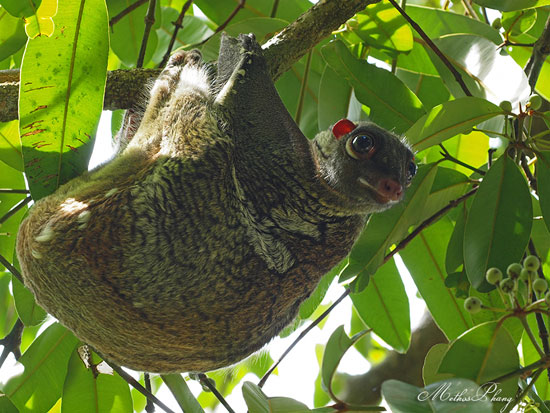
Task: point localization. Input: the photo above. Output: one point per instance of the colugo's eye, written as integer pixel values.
(360, 146)
(411, 171)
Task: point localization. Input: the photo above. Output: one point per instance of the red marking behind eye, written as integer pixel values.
(343, 127)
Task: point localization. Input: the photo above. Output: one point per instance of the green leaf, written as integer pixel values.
(219, 10)
(45, 362)
(7, 309)
(384, 229)
(287, 405)
(520, 22)
(438, 22)
(59, 111)
(432, 362)
(511, 5)
(543, 179)
(28, 310)
(425, 259)
(384, 307)
(382, 26)
(6, 406)
(454, 257)
(255, 398)
(392, 104)
(499, 222)
(181, 393)
(127, 33)
(20, 8)
(10, 178)
(12, 34)
(84, 393)
(334, 98)
(450, 119)
(441, 397)
(430, 89)
(337, 345)
(10, 145)
(483, 354)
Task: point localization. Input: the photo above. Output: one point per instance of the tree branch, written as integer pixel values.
(125, 87)
(538, 56)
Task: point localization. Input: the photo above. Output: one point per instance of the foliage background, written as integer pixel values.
(377, 67)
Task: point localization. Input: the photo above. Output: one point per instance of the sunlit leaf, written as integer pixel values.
(59, 111)
(382, 26)
(84, 393)
(12, 34)
(384, 307)
(45, 362)
(511, 5)
(450, 119)
(21, 8)
(499, 222)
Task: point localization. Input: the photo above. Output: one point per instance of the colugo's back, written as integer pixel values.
(197, 243)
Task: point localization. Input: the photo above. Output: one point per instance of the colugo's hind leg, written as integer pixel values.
(149, 133)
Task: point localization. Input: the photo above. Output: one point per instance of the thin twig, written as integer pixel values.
(20, 205)
(11, 268)
(435, 49)
(136, 385)
(302, 335)
(224, 24)
(525, 167)
(205, 381)
(540, 51)
(149, 21)
(149, 406)
(429, 221)
(445, 153)
(274, 8)
(470, 9)
(541, 325)
(303, 89)
(12, 342)
(14, 191)
(177, 26)
(126, 11)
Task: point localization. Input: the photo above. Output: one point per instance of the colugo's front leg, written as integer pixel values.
(184, 74)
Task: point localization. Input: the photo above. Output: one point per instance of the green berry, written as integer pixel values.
(526, 274)
(497, 23)
(514, 270)
(507, 285)
(540, 285)
(472, 305)
(547, 298)
(493, 275)
(531, 263)
(535, 102)
(506, 105)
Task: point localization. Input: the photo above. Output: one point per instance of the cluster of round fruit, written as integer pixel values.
(515, 273)
(534, 103)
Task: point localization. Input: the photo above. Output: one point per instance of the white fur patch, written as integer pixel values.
(36, 254)
(84, 217)
(193, 80)
(47, 234)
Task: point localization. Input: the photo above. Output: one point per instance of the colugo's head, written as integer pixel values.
(367, 166)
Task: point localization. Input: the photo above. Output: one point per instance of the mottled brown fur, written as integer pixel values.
(195, 245)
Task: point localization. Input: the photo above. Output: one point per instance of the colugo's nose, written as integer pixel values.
(390, 189)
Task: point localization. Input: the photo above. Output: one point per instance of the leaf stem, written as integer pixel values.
(149, 21)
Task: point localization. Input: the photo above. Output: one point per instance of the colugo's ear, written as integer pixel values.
(343, 127)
